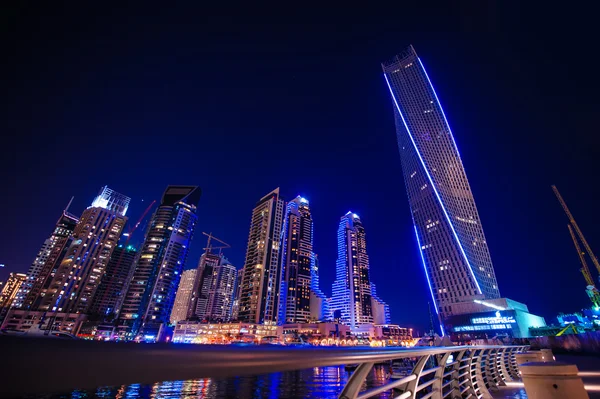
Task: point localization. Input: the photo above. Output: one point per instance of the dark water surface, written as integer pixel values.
(318, 382)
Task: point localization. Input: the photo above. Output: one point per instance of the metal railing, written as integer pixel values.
(34, 365)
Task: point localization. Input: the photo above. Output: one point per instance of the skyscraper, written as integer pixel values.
(115, 280)
(9, 292)
(297, 260)
(207, 267)
(449, 234)
(76, 279)
(149, 300)
(184, 296)
(352, 286)
(47, 260)
(220, 292)
(259, 293)
(235, 308)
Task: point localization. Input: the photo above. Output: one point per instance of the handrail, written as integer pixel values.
(35, 365)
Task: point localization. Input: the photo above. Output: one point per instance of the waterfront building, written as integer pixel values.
(183, 298)
(76, 279)
(449, 232)
(260, 288)
(195, 332)
(151, 294)
(207, 267)
(296, 263)
(319, 303)
(9, 292)
(221, 290)
(452, 245)
(236, 296)
(115, 280)
(352, 302)
(44, 266)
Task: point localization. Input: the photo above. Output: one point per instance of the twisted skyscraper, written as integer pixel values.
(453, 247)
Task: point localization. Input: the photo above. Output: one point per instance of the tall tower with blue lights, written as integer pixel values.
(452, 245)
(353, 300)
(151, 294)
(297, 261)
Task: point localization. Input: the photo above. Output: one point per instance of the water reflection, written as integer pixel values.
(318, 382)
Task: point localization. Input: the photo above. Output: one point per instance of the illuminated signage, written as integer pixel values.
(498, 319)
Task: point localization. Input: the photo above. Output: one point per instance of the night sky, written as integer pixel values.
(241, 101)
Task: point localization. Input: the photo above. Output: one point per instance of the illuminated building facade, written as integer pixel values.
(44, 266)
(353, 301)
(76, 279)
(296, 263)
(220, 291)
(194, 332)
(151, 294)
(115, 280)
(259, 292)
(235, 309)
(449, 233)
(9, 292)
(184, 296)
(381, 310)
(207, 267)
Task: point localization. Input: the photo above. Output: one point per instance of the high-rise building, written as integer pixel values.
(449, 233)
(184, 296)
(235, 308)
(319, 304)
(149, 300)
(221, 290)
(9, 292)
(111, 292)
(259, 293)
(44, 266)
(296, 263)
(76, 279)
(352, 301)
(207, 267)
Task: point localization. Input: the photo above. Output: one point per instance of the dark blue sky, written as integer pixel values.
(240, 102)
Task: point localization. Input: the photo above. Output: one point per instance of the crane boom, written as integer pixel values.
(584, 270)
(577, 229)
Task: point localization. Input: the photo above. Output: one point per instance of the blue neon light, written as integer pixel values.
(441, 109)
(432, 184)
(427, 275)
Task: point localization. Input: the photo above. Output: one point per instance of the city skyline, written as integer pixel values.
(498, 108)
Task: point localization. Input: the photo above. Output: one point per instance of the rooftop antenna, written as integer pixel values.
(69, 204)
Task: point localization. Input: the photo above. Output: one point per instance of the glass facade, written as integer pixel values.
(353, 301)
(297, 259)
(453, 247)
(151, 294)
(261, 279)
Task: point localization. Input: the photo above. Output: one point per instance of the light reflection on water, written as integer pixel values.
(318, 382)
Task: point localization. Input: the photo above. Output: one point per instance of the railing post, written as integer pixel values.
(494, 378)
(480, 369)
(439, 374)
(356, 380)
(412, 386)
(505, 358)
(454, 386)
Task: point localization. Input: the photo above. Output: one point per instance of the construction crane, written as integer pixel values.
(577, 229)
(591, 289)
(210, 247)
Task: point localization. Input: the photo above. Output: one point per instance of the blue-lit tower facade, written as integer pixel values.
(351, 301)
(151, 294)
(448, 229)
(319, 303)
(297, 260)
